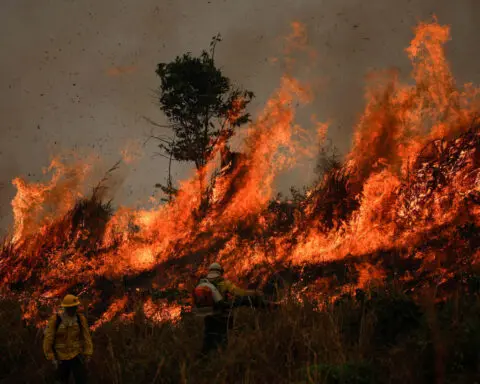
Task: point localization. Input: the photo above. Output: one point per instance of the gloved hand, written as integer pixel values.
(55, 364)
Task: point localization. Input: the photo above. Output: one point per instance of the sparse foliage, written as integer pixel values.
(201, 104)
(328, 159)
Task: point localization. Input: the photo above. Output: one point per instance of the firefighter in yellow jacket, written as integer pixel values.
(217, 325)
(68, 343)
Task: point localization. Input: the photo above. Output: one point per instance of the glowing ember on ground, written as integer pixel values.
(161, 312)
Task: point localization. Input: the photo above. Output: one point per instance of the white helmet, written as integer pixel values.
(214, 270)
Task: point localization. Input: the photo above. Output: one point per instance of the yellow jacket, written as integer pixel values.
(226, 288)
(69, 340)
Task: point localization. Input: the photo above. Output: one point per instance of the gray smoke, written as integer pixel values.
(80, 74)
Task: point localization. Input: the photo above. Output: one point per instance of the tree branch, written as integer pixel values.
(155, 124)
(159, 138)
(105, 178)
(161, 155)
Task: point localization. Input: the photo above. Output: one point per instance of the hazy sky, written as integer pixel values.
(80, 74)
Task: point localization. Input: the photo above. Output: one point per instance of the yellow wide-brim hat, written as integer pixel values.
(70, 301)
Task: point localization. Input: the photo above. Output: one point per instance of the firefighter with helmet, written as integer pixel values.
(68, 343)
(218, 319)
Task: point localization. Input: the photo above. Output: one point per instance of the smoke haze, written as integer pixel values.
(79, 75)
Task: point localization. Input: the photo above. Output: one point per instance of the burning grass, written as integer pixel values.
(375, 336)
(443, 245)
(402, 209)
(403, 204)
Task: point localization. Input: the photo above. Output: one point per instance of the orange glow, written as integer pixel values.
(118, 71)
(161, 312)
(411, 175)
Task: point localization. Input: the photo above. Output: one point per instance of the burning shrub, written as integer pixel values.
(89, 219)
(79, 231)
(392, 211)
(332, 202)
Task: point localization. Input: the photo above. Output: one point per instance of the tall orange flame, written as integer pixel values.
(412, 172)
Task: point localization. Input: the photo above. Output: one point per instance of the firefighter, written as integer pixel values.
(68, 343)
(218, 324)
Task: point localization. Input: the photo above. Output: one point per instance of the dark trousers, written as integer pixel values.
(216, 332)
(75, 366)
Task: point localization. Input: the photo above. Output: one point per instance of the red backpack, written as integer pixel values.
(206, 298)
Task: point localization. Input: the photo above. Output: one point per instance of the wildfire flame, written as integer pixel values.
(412, 174)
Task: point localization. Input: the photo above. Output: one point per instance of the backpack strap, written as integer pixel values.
(58, 321)
(79, 321)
